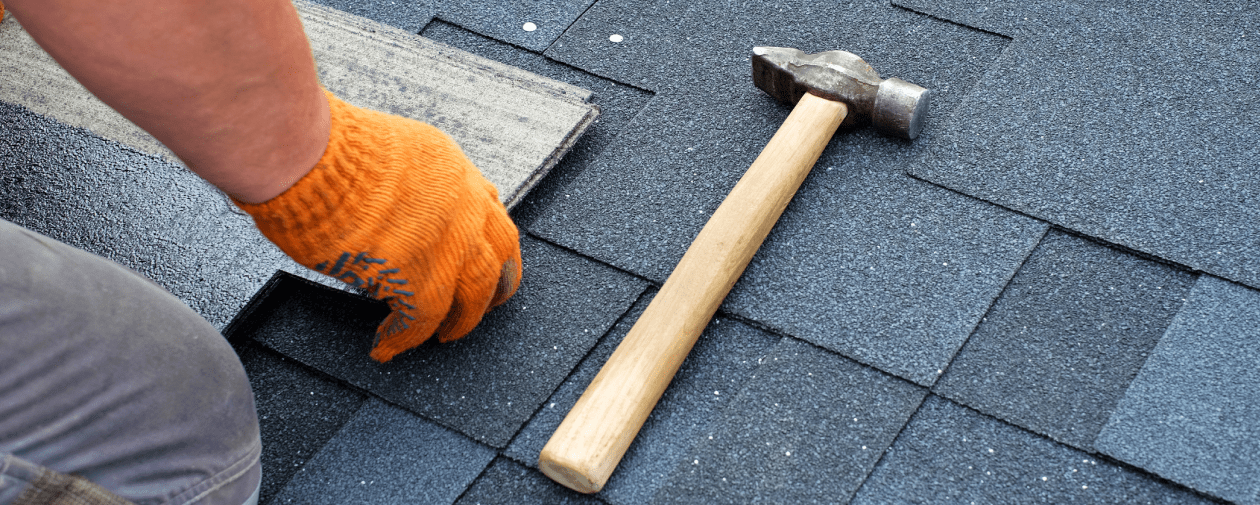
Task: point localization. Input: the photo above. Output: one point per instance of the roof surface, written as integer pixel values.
(1051, 296)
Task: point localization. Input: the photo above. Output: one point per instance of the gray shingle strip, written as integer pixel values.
(299, 410)
(1060, 346)
(952, 454)
(723, 358)
(641, 203)
(807, 427)
(485, 385)
(1192, 415)
(1132, 126)
(136, 209)
(387, 455)
(506, 482)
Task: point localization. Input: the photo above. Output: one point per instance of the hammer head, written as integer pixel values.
(893, 106)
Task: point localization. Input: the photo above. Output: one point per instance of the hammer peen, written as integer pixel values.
(828, 89)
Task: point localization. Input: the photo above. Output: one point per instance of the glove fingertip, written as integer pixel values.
(509, 282)
(393, 337)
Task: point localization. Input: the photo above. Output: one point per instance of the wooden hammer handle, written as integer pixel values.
(594, 436)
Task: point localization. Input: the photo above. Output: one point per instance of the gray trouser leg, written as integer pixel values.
(105, 375)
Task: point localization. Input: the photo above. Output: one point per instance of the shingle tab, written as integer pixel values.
(508, 483)
(1071, 330)
(485, 385)
(807, 428)
(1193, 413)
(387, 455)
(1134, 126)
(952, 454)
(299, 410)
(724, 357)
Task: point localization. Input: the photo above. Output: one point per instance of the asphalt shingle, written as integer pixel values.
(642, 58)
(1123, 125)
(506, 482)
(724, 357)
(485, 385)
(864, 261)
(1071, 330)
(952, 454)
(807, 427)
(386, 455)
(299, 410)
(1192, 415)
(137, 209)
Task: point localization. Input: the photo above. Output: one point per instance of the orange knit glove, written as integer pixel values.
(394, 207)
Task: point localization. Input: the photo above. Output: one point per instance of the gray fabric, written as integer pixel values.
(105, 375)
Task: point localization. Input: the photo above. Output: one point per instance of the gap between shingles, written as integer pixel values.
(952, 22)
(989, 309)
(1078, 234)
(592, 260)
(1093, 454)
(642, 294)
(565, 31)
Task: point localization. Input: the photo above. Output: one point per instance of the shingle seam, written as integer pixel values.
(566, 28)
(597, 261)
(473, 482)
(1080, 234)
(439, 19)
(988, 309)
(778, 333)
(783, 334)
(891, 443)
(952, 22)
(578, 365)
(315, 451)
(1133, 252)
(911, 175)
(1093, 454)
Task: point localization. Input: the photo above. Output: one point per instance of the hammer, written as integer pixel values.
(829, 89)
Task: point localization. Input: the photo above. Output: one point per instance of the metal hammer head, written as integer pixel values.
(894, 106)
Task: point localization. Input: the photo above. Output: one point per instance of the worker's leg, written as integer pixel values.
(105, 375)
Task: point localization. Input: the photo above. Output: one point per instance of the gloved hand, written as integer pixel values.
(394, 207)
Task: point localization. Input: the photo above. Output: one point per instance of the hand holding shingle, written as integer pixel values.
(395, 208)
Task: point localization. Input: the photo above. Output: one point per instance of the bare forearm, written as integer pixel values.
(228, 85)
